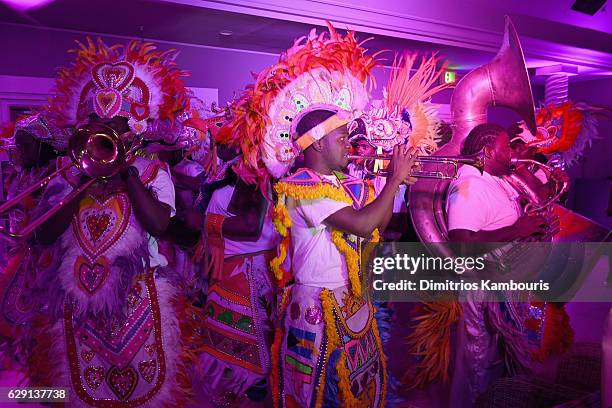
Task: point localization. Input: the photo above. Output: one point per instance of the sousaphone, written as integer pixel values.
(502, 82)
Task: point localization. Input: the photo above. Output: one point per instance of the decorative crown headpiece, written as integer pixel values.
(324, 71)
(133, 81)
(406, 114)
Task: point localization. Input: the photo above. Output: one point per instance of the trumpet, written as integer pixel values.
(96, 150)
(449, 173)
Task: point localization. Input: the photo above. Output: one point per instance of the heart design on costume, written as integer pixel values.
(147, 369)
(117, 76)
(122, 381)
(92, 277)
(87, 355)
(150, 348)
(97, 225)
(137, 126)
(94, 239)
(140, 111)
(94, 377)
(107, 103)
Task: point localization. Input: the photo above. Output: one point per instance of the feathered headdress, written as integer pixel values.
(133, 81)
(406, 113)
(190, 131)
(327, 70)
(565, 130)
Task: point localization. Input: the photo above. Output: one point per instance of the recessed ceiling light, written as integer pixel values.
(226, 33)
(25, 5)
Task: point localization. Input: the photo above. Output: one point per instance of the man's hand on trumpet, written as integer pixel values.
(403, 163)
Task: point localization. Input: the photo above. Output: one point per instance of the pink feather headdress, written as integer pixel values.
(327, 69)
(134, 81)
(406, 113)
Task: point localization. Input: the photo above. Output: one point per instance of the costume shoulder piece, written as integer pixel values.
(358, 189)
(307, 184)
(148, 169)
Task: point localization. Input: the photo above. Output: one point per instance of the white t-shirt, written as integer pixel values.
(163, 189)
(480, 201)
(316, 260)
(161, 186)
(269, 238)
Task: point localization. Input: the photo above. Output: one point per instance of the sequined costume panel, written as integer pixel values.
(119, 362)
(330, 350)
(237, 332)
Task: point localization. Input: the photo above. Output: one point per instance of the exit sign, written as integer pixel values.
(450, 77)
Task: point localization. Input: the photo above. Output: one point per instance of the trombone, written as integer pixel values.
(96, 150)
(451, 162)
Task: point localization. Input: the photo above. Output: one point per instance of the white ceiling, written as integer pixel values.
(466, 32)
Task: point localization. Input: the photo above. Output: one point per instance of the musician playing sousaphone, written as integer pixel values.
(499, 217)
(485, 208)
(112, 329)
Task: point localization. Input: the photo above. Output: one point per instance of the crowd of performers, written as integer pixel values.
(219, 263)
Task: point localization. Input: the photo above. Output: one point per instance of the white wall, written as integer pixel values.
(37, 52)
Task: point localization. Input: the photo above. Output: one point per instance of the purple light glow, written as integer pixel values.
(25, 5)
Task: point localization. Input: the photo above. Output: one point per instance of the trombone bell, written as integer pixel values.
(96, 150)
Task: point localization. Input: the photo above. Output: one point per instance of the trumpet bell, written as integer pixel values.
(97, 150)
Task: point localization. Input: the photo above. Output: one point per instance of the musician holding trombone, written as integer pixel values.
(110, 329)
(33, 149)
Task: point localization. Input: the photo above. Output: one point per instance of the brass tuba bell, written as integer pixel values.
(502, 82)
